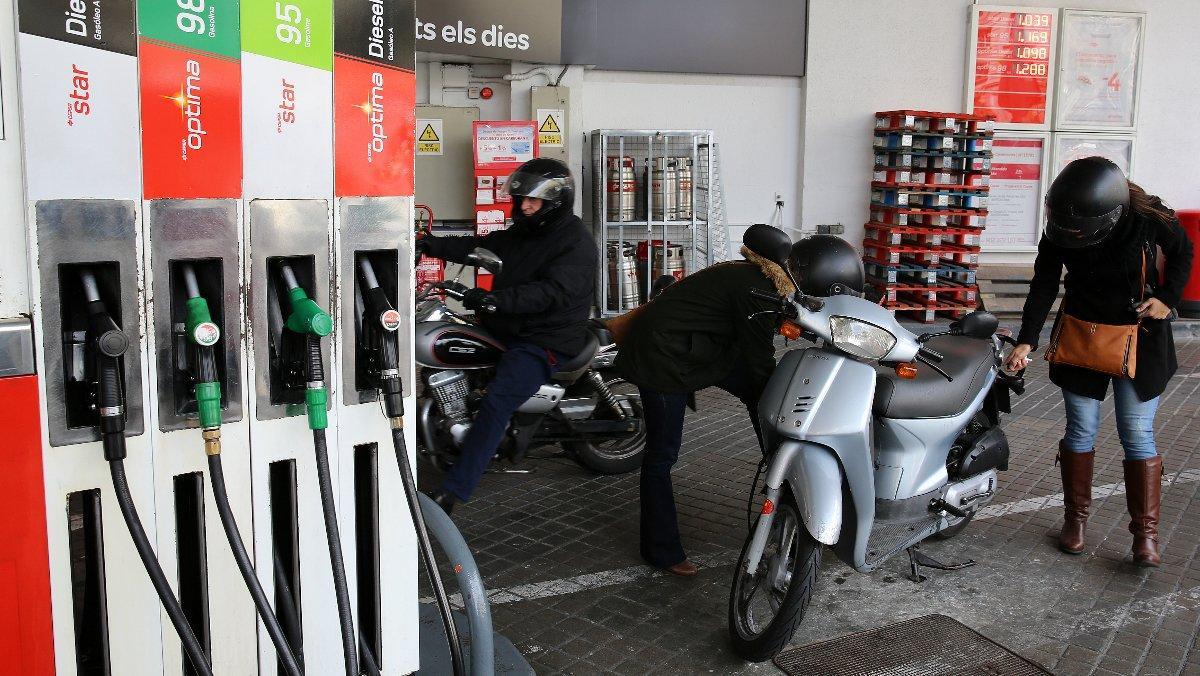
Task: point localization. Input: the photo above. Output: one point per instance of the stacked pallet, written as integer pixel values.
(928, 209)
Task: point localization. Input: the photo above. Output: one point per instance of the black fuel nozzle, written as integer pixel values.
(380, 323)
(107, 344)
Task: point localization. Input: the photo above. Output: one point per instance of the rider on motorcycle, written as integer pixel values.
(538, 306)
(697, 334)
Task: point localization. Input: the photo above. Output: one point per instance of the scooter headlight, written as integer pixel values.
(860, 338)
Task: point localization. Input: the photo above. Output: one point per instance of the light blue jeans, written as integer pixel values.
(1135, 421)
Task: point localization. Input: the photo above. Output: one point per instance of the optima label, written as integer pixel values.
(374, 98)
(190, 98)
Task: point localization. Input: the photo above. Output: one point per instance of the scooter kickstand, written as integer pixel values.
(918, 559)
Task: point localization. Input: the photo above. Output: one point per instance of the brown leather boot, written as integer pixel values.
(1077, 497)
(1143, 492)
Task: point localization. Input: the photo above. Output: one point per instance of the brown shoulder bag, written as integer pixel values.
(1107, 348)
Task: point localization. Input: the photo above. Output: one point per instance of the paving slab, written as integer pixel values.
(558, 551)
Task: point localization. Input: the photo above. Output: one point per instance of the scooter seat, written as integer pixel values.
(570, 370)
(930, 395)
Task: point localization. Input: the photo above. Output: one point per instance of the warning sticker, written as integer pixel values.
(429, 137)
(550, 126)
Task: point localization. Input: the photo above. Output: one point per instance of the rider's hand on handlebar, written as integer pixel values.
(1019, 358)
(479, 300)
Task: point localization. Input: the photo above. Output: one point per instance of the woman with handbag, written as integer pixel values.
(1112, 327)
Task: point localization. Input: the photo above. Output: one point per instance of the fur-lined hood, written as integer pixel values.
(773, 272)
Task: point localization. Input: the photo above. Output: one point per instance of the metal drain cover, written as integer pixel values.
(933, 645)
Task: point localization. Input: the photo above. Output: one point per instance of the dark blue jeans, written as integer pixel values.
(659, 527)
(523, 368)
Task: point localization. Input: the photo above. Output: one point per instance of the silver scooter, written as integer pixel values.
(866, 452)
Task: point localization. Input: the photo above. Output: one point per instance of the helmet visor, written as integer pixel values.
(525, 184)
(1075, 232)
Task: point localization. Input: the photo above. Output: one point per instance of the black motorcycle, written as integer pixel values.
(594, 415)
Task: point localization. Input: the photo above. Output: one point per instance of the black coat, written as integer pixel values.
(544, 290)
(694, 334)
(1101, 286)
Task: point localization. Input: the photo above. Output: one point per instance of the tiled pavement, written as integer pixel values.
(558, 550)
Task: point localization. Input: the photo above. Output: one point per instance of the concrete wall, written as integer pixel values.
(754, 119)
(867, 55)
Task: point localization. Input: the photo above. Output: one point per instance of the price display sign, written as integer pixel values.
(1100, 70)
(1012, 58)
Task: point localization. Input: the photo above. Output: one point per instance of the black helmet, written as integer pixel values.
(1085, 203)
(826, 265)
(546, 179)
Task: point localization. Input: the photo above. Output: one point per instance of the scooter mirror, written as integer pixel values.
(482, 258)
(976, 325)
(769, 242)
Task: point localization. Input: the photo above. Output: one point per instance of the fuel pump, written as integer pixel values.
(307, 321)
(202, 334)
(379, 324)
(105, 346)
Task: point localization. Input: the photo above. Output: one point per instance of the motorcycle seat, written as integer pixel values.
(930, 395)
(570, 370)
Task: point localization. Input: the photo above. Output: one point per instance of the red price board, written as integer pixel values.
(1012, 65)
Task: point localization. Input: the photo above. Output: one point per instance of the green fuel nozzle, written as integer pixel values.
(308, 319)
(306, 316)
(203, 334)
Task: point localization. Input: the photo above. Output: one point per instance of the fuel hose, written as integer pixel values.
(109, 343)
(203, 334)
(386, 320)
(426, 547)
(191, 645)
(309, 320)
(286, 657)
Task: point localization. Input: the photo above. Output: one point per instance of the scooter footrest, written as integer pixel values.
(888, 538)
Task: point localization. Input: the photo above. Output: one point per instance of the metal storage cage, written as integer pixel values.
(654, 210)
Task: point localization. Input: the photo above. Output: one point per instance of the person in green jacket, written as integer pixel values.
(696, 334)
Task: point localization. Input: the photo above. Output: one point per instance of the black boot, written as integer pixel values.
(443, 498)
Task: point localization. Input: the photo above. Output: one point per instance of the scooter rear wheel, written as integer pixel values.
(765, 608)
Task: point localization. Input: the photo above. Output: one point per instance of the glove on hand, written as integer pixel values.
(479, 300)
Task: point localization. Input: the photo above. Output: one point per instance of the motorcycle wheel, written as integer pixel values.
(765, 608)
(956, 527)
(614, 456)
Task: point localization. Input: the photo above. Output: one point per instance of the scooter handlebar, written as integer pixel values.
(767, 296)
(931, 355)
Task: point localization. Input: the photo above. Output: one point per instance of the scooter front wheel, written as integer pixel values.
(766, 607)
